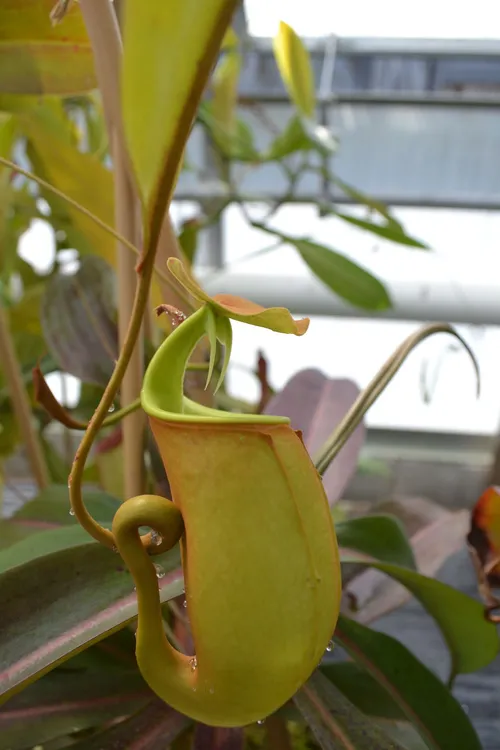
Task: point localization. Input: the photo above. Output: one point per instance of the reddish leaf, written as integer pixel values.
(62, 703)
(315, 405)
(484, 544)
(217, 738)
(152, 728)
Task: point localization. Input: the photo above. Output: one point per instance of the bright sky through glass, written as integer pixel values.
(425, 19)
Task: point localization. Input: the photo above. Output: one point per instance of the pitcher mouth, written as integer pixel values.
(162, 394)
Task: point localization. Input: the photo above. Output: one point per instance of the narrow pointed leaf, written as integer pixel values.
(68, 592)
(39, 58)
(363, 690)
(425, 700)
(295, 68)
(344, 277)
(315, 405)
(391, 232)
(379, 536)
(472, 640)
(335, 722)
(169, 52)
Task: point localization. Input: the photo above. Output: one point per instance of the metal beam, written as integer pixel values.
(419, 300)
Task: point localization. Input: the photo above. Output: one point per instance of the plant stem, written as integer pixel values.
(21, 404)
(103, 30)
(278, 737)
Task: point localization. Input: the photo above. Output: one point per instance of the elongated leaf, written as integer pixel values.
(12, 531)
(315, 405)
(292, 139)
(427, 703)
(169, 51)
(391, 232)
(473, 642)
(382, 537)
(152, 728)
(52, 506)
(66, 702)
(78, 320)
(79, 175)
(295, 69)
(363, 690)
(335, 722)
(39, 58)
(68, 592)
(342, 276)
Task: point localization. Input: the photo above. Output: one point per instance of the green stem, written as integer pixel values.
(344, 430)
(105, 227)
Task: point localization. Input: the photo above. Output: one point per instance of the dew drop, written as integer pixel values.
(329, 646)
(156, 539)
(114, 548)
(211, 691)
(184, 604)
(193, 664)
(465, 708)
(111, 408)
(71, 512)
(261, 722)
(160, 573)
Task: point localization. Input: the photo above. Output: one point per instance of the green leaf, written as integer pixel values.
(79, 175)
(52, 506)
(12, 532)
(39, 58)
(188, 239)
(392, 232)
(169, 52)
(380, 536)
(292, 139)
(295, 69)
(335, 722)
(64, 703)
(67, 592)
(363, 690)
(472, 640)
(426, 702)
(342, 276)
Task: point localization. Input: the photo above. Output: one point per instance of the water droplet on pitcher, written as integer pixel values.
(329, 646)
(160, 573)
(261, 722)
(465, 708)
(71, 512)
(184, 604)
(193, 664)
(156, 539)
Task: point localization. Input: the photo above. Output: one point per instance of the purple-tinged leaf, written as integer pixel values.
(315, 405)
(62, 703)
(78, 320)
(217, 738)
(154, 727)
(61, 593)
